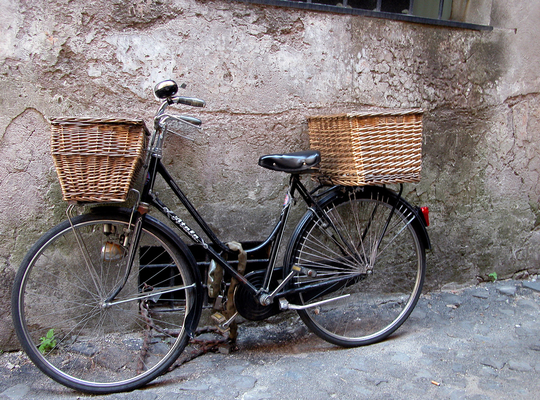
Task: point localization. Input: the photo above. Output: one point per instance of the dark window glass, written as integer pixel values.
(395, 6)
(330, 3)
(363, 4)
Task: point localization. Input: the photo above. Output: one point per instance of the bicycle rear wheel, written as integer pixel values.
(72, 326)
(370, 257)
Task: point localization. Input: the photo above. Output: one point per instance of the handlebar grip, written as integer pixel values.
(189, 101)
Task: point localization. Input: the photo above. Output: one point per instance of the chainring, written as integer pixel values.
(246, 303)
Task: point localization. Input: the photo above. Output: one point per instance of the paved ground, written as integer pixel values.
(479, 342)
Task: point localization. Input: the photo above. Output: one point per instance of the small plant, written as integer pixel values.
(493, 276)
(48, 342)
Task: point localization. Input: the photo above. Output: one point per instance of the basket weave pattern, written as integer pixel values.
(368, 148)
(97, 160)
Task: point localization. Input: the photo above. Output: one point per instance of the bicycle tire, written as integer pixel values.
(79, 340)
(382, 282)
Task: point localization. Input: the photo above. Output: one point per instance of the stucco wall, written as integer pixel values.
(262, 70)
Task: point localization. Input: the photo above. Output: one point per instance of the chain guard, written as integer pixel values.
(245, 302)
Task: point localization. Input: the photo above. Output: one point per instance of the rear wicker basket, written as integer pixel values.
(97, 160)
(368, 148)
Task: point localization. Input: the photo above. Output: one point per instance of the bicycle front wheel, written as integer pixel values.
(367, 259)
(90, 321)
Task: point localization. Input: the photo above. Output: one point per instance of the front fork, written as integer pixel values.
(131, 241)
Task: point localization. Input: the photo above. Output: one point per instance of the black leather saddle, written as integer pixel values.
(291, 162)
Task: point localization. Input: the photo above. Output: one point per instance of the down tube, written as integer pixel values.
(190, 208)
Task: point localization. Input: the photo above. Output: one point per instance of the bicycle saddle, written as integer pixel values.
(291, 162)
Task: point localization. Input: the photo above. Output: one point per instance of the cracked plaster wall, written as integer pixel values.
(262, 70)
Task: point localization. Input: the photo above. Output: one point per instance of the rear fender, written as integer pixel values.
(417, 223)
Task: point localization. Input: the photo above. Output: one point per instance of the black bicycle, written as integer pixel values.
(106, 301)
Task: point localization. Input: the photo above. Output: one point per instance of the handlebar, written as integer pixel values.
(166, 91)
(188, 101)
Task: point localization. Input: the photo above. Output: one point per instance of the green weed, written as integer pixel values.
(48, 342)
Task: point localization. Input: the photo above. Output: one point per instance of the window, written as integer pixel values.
(438, 12)
(438, 9)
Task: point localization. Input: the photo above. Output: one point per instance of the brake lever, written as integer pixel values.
(184, 119)
(190, 120)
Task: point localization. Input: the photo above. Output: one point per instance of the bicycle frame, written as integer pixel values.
(156, 168)
(120, 280)
(148, 197)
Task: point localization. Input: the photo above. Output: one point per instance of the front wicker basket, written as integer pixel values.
(97, 160)
(368, 148)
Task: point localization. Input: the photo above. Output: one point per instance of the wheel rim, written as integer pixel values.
(382, 282)
(95, 344)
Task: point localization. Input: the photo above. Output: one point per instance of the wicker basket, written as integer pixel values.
(368, 148)
(97, 160)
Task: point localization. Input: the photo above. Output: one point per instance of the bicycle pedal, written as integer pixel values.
(224, 329)
(219, 318)
(218, 304)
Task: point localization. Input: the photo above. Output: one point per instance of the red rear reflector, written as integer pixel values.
(425, 213)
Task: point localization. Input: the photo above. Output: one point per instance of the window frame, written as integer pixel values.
(304, 5)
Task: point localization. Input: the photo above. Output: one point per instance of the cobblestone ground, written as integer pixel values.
(480, 342)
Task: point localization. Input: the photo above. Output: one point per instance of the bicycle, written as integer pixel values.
(106, 301)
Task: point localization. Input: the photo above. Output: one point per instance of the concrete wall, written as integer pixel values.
(262, 70)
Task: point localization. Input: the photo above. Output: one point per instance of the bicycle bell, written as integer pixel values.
(166, 89)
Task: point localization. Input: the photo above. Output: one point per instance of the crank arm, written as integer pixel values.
(224, 323)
